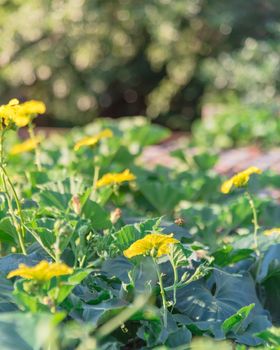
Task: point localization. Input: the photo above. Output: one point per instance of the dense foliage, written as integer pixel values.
(159, 58)
(94, 256)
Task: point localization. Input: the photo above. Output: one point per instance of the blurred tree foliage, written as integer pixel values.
(160, 58)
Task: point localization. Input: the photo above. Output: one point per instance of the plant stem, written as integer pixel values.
(175, 272)
(19, 228)
(255, 221)
(162, 293)
(95, 179)
(37, 149)
(21, 234)
(2, 133)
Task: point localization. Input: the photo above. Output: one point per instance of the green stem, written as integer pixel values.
(37, 149)
(255, 221)
(162, 293)
(20, 230)
(2, 147)
(95, 179)
(21, 234)
(200, 272)
(38, 239)
(175, 272)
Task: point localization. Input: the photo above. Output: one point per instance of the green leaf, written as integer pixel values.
(24, 331)
(131, 233)
(205, 161)
(234, 321)
(148, 134)
(270, 264)
(51, 199)
(67, 284)
(271, 337)
(8, 232)
(98, 217)
(209, 303)
(179, 338)
(227, 255)
(163, 196)
(180, 255)
(7, 301)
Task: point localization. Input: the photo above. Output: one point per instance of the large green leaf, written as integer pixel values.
(270, 264)
(212, 302)
(269, 277)
(7, 302)
(11, 262)
(24, 331)
(163, 196)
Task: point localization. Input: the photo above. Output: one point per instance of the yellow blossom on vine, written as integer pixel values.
(240, 179)
(21, 113)
(92, 140)
(42, 272)
(154, 244)
(272, 231)
(9, 111)
(115, 178)
(26, 146)
(32, 107)
(26, 112)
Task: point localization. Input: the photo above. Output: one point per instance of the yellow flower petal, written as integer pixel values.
(240, 179)
(226, 186)
(43, 271)
(272, 231)
(32, 107)
(26, 146)
(13, 102)
(92, 140)
(154, 244)
(21, 114)
(115, 178)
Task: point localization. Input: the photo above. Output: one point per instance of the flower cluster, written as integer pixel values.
(20, 114)
(240, 179)
(154, 244)
(115, 178)
(42, 272)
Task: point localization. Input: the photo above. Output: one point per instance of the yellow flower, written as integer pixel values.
(21, 120)
(26, 146)
(21, 114)
(43, 271)
(154, 244)
(32, 107)
(92, 140)
(239, 180)
(9, 111)
(27, 111)
(115, 178)
(272, 231)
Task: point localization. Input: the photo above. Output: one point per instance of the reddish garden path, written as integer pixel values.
(230, 161)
